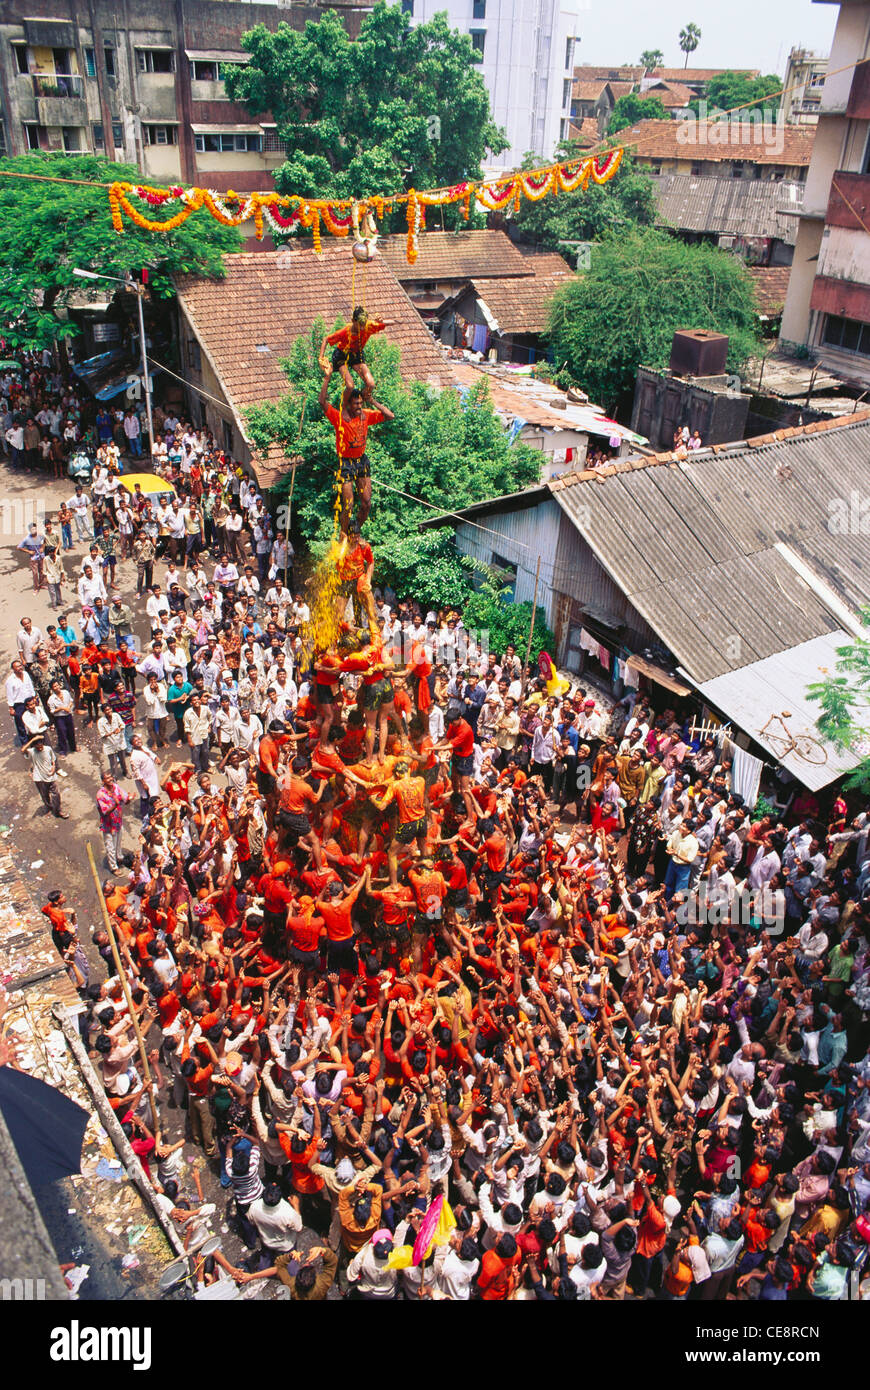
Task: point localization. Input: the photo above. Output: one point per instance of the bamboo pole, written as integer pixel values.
(125, 985)
(531, 627)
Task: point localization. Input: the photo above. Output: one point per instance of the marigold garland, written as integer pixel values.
(283, 211)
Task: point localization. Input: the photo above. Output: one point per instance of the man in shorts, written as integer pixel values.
(356, 566)
(351, 423)
(409, 795)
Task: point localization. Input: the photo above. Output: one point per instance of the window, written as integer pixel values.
(72, 139)
(563, 128)
(155, 59)
(478, 9)
(204, 70)
(109, 60)
(697, 169)
(847, 334)
(159, 135)
(408, 7)
(478, 40)
(817, 79)
(655, 166)
(31, 136)
(194, 356)
(569, 54)
(118, 136)
(737, 169)
(228, 439)
(99, 137)
(778, 173)
(90, 62)
(20, 51)
(506, 572)
(273, 143)
(566, 92)
(228, 144)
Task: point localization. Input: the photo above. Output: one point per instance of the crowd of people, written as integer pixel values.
(402, 927)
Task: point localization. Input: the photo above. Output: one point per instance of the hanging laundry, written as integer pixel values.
(588, 642)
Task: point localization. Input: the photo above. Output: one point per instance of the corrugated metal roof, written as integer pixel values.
(776, 686)
(692, 544)
(729, 207)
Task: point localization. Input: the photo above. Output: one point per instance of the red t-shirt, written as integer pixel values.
(461, 735)
(350, 435)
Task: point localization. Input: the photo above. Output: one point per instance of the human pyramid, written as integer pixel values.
(383, 753)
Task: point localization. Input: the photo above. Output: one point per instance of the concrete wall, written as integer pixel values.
(524, 66)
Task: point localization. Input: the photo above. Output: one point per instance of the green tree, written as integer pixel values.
(401, 106)
(651, 58)
(491, 609)
(844, 698)
(731, 89)
(633, 108)
(609, 209)
(46, 230)
(640, 289)
(690, 37)
(446, 450)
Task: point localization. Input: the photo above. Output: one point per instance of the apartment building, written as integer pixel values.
(828, 302)
(141, 81)
(527, 62)
(803, 82)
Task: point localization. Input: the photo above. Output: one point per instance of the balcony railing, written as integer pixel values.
(58, 84)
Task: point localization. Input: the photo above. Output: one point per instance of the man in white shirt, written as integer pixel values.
(19, 689)
(277, 1221)
(144, 765)
(78, 505)
(90, 586)
(28, 639)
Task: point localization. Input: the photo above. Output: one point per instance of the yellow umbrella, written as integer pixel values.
(148, 482)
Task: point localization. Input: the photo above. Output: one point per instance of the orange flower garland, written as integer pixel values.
(337, 215)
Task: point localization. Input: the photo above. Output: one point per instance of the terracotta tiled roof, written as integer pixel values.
(585, 131)
(771, 286)
(521, 306)
(545, 262)
(454, 256)
(658, 140)
(588, 91)
(591, 72)
(247, 322)
(671, 94)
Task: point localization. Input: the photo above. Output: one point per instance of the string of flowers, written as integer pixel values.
(340, 215)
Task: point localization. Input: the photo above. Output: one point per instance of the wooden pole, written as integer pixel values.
(531, 626)
(125, 985)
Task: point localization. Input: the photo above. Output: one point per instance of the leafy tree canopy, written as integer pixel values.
(47, 229)
(490, 609)
(844, 698)
(690, 37)
(400, 106)
(639, 290)
(652, 58)
(731, 89)
(447, 450)
(632, 108)
(609, 209)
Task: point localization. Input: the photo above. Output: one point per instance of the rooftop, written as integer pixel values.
(739, 207)
(771, 286)
(454, 256)
(521, 306)
(248, 321)
(667, 140)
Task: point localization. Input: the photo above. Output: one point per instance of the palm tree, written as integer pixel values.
(651, 58)
(690, 37)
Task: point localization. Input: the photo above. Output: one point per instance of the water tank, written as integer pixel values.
(698, 352)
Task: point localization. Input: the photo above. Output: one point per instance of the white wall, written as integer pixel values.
(523, 68)
(845, 254)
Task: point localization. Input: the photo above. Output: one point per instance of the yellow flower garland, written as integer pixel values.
(337, 215)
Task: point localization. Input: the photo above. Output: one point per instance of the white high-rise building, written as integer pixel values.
(527, 50)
